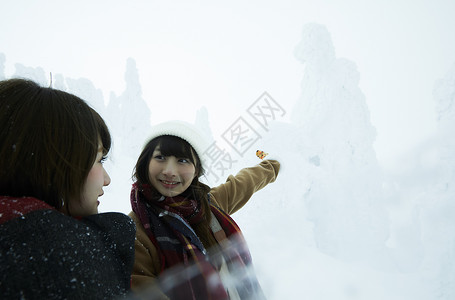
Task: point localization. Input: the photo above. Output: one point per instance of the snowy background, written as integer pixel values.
(355, 99)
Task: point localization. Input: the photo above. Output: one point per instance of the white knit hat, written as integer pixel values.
(186, 131)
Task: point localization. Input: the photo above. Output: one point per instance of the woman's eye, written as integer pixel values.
(184, 160)
(103, 159)
(159, 157)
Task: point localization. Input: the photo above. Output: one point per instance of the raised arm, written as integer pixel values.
(237, 190)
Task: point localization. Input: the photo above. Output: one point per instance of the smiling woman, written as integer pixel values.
(51, 152)
(170, 175)
(184, 223)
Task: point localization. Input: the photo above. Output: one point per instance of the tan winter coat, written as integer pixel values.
(229, 196)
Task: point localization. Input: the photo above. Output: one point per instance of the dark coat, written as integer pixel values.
(45, 254)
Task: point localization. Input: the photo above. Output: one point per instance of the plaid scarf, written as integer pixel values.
(168, 221)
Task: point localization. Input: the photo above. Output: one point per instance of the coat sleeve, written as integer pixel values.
(237, 190)
(146, 262)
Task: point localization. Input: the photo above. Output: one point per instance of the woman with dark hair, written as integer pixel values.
(184, 224)
(54, 244)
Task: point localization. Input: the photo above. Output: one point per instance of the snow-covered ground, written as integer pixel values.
(336, 224)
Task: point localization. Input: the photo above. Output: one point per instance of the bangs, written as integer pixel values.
(105, 138)
(174, 146)
(103, 132)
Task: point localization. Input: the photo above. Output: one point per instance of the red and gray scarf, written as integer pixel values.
(11, 207)
(168, 222)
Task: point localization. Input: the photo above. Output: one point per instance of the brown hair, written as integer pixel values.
(174, 146)
(48, 142)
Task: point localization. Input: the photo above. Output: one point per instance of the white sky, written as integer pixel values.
(223, 55)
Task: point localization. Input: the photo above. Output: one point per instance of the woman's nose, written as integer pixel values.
(107, 178)
(170, 168)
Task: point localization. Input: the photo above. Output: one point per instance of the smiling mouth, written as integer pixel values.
(169, 182)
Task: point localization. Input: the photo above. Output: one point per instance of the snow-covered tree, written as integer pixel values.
(129, 115)
(345, 199)
(35, 74)
(85, 89)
